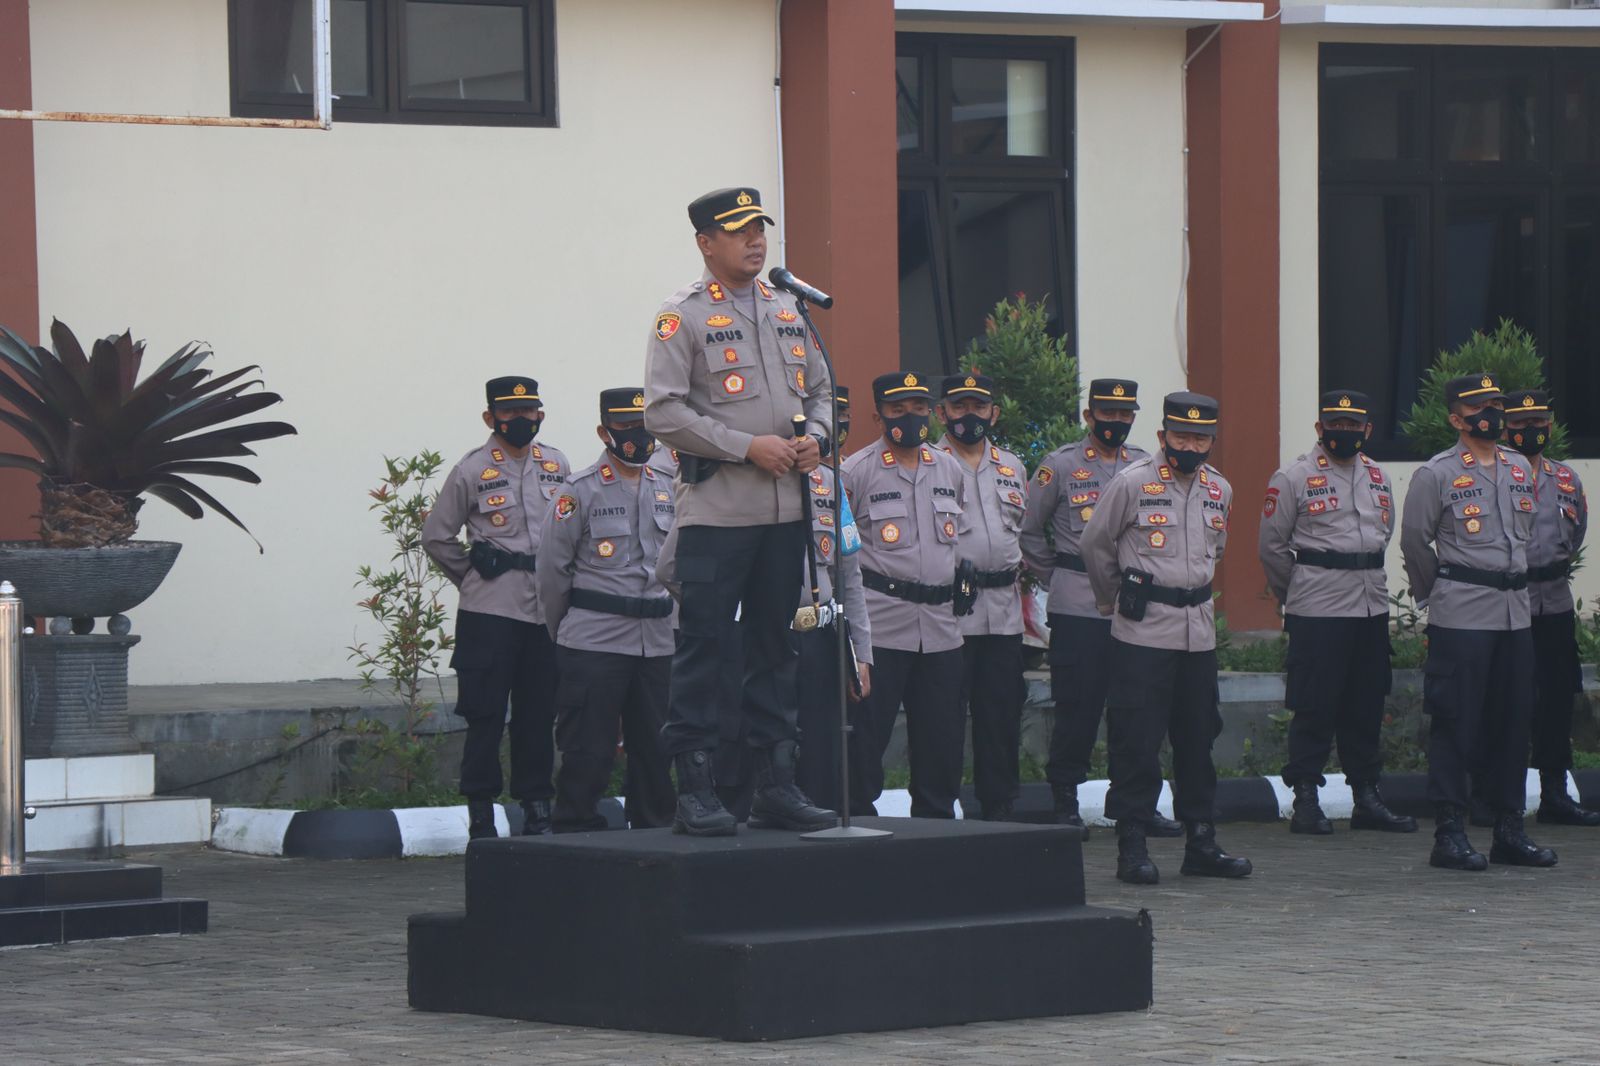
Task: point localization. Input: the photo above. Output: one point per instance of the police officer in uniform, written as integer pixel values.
(1061, 498)
(500, 492)
(1325, 525)
(1560, 520)
(612, 622)
(1151, 550)
(991, 636)
(1469, 519)
(907, 498)
(728, 366)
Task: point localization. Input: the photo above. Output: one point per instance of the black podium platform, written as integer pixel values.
(54, 902)
(763, 936)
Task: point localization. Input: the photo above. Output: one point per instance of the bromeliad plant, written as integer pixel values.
(105, 439)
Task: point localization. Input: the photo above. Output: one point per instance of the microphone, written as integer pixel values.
(783, 278)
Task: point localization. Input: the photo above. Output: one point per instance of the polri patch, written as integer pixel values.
(1158, 539)
(498, 519)
(718, 321)
(889, 533)
(565, 505)
(667, 323)
(605, 549)
(733, 384)
(1045, 475)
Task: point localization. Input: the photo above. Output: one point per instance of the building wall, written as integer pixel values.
(1298, 234)
(377, 273)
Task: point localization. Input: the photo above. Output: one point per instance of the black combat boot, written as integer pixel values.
(1308, 816)
(1370, 812)
(1202, 857)
(1513, 848)
(1556, 807)
(700, 813)
(1064, 801)
(1451, 848)
(1133, 858)
(480, 820)
(1159, 825)
(779, 803)
(535, 818)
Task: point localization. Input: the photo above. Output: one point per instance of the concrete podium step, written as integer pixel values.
(107, 801)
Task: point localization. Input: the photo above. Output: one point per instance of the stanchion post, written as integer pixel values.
(12, 812)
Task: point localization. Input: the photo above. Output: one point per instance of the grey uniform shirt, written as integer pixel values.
(1317, 503)
(501, 500)
(1061, 498)
(1148, 519)
(604, 533)
(716, 378)
(909, 517)
(1560, 522)
(996, 498)
(1459, 513)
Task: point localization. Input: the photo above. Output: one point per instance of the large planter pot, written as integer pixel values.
(85, 582)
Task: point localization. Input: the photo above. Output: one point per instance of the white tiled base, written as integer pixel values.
(89, 777)
(119, 823)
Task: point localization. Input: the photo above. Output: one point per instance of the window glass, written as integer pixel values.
(1490, 115)
(1490, 251)
(1004, 243)
(1577, 113)
(466, 52)
(1371, 111)
(1000, 107)
(275, 57)
(920, 313)
(1579, 385)
(908, 102)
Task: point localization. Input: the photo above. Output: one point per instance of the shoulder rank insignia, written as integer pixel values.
(888, 457)
(565, 505)
(1501, 452)
(1090, 453)
(927, 455)
(607, 474)
(1045, 475)
(1375, 474)
(786, 315)
(499, 456)
(994, 454)
(1204, 477)
(1322, 462)
(1468, 460)
(536, 452)
(1124, 455)
(1165, 472)
(667, 323)
(1464, 481)
(715, 291)
(1544, 464)
(489, 474)
(1153, 488)
(766, 293)
(1081, 474)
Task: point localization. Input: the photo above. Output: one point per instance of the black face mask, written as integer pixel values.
(1486, 424)
(632, 446)
(906, 431)
(1112, 434)
(1187, 462)
(844, 433)
(517, 432)
(1344, 443)
(969, 429)
(1529, 440)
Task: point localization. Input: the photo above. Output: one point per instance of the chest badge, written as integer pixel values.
(489, 474)
(495, 501)
(730, 355)
(1464, 481)
(800, 380)
(1217, 522)
(1524, 504)
(825, 519)
(949, 528)
(1086, 514)
(1156, 519)
(1375, 474)
(889, 533)
(498, 519)
(605, 549)
(1517, 474)
(1081, 474)
(733, 384)
(1214, 491)
(1320, 481)
(1472, 510)
(1158, 539)
(1316, 507)
(718, 321)
(550, 466)
(1474, 525)
(787, 316)
(1008, 471)
(798, 351)
(1015, 498)
(824, 545)
(1153, 488)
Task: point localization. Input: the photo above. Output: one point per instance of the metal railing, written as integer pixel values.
(13, 811)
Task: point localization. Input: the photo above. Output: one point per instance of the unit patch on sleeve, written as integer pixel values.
(667, 323)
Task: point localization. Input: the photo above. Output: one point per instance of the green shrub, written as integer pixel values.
(1035, 375)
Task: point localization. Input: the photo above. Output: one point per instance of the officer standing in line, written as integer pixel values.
(1559, 524)
(1151, 551)
(1468, 522)
(612, 622)
(500, 492)
(907, 498)
(1061, 498)
(728, 366)
(991, 675)
(1325, 525)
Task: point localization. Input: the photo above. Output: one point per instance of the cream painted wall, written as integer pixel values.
(1297, 146)
(378, 274)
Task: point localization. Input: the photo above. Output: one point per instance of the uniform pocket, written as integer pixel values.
(1153, 534)
(947, 519)
(888, 526)
(607, 544)
(739, 383)
(498, 513)
(1012, 504)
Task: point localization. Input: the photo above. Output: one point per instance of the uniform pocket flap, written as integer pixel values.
(893, 508)
(610, 526)
(946, 505)
(494, 501)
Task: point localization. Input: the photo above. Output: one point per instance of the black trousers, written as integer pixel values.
(1080, 674)
(992, 690)
(756, 572)
(1337, 676)
(1557, 678)
(1477, 689)
(817, 772)
(1158, 692)
(928, 684)
(499, 659)
(597, 689)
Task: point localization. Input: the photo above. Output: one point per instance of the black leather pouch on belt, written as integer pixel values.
(1134, 595)
(490, 562)
(966, 588)
(696, 468)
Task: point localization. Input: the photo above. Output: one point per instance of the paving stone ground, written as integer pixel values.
(1341, 950)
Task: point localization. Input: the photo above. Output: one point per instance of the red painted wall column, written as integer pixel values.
(1233, 289)
(19, 249)
(840, 180)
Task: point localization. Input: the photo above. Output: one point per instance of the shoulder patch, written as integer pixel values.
(1045, 475)
(565, 505)
(667, 323)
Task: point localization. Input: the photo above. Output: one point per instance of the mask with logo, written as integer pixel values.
(632, 446)
(517, 432)
(1343, 443)
(969, 429)
(844, 433)
(1486, 424)
(1187, 462)
(1112, 434)
(906, 431)
(1529, 440)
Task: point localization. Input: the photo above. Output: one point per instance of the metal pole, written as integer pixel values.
(322, 62)
(12, 849)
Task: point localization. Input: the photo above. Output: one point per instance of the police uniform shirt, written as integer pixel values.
(995, 493)
(1061, 497)
(909, 517)
(1149, 520)
(604, 534)
(500, 500)
(664, 461)
(716, 378)
(1560, 522)
(1318, 504)
(825, 537)
(1459, 513)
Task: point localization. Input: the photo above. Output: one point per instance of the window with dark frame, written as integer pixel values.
(463, 62)
(1459, 186)
(985, 134)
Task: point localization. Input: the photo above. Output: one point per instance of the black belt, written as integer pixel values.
(1070, 562)
(1551, 571)
(1494, 579)
(1340, 560)
(628, 606)
(1174, 597)
(996, 579)
(910, 591)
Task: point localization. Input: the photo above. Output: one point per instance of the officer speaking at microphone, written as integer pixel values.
(500, 492)
(1151, 550)
(1325, 525)
(728, 366)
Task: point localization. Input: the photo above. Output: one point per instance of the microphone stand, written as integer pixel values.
(844, 830)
